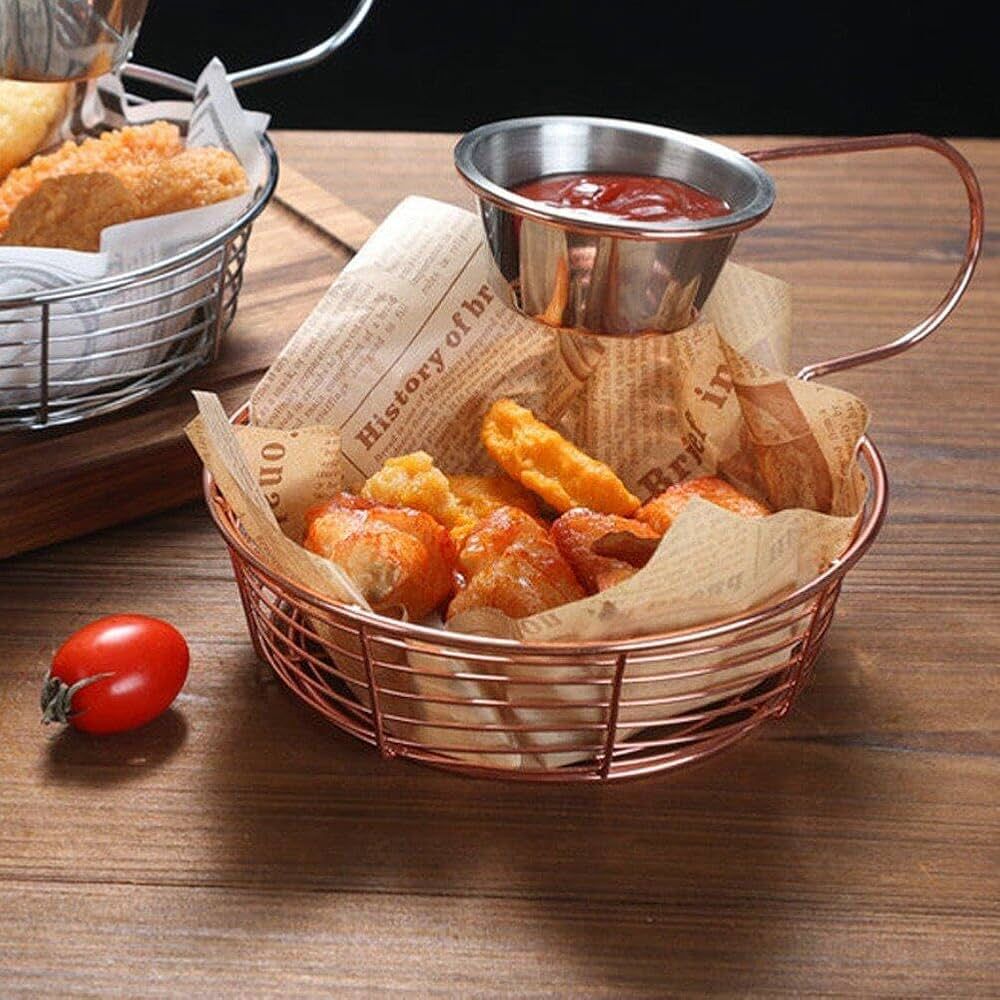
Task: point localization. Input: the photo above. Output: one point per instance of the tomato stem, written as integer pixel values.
(57, 697)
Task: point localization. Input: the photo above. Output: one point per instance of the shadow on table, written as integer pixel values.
(637, 883)
(76, 758)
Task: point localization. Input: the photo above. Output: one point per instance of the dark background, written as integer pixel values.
(810, 68)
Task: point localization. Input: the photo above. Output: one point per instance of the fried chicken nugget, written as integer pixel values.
(510, 563)
(193, 178)
(415, 481)
(482, 495)
(70, 212)
(457, 502)
(576, 534)
(545, 462)
(396, 556)
(660, 512)
(28, 113)
(127, 153)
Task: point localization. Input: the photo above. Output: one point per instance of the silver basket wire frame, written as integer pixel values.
(181, 306)
(38, 392)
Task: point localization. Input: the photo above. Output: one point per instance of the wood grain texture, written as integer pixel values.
(312, 203)
(240, 846)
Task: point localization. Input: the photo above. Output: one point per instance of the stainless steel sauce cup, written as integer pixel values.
(577, 270)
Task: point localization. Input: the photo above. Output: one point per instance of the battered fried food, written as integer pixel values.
(398, 557)
(415, 481)
(576, 534)
(660, 512)
(482, 495)
(127, 153)
(196, 177)
(70, 212)
(458, 502)
(28, 113)
(398, 542)
(545, 462)
(510, 563)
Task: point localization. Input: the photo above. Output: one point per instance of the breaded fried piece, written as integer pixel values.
(397, 557)
(415, 481)
(576, 533)
(70, 212)
(457, 502)
(148, 160)
(126, 153)
(541, 459)
(191, 179)
(510, 563)
(28, 113)
(482, 495)
(659, 513)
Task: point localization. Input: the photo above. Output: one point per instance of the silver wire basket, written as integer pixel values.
(192, 295)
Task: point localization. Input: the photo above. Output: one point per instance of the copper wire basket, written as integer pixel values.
(145, 328)
(560, 711)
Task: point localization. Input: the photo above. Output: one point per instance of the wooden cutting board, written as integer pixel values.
(65, 482)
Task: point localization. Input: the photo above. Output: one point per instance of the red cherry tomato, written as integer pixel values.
(116, 673)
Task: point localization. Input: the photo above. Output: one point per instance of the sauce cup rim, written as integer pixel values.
(575, 220)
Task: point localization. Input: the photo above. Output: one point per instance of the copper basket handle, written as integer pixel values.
(973, 246)
(266, 71)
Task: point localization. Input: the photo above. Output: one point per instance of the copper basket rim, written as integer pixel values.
(872, 517)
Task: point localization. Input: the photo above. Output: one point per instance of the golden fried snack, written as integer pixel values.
(577, 532)
(28, 113)
(481, 495)
(659, 513)
(127, 153)
(415, 481)
(458, 502)
(543, 460)
(70, 212)
(397, 557)
(510, 563)
(191, 179)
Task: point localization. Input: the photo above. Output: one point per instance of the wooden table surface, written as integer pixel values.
(241, 846)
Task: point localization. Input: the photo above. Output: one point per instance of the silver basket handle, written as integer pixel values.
(266, 71)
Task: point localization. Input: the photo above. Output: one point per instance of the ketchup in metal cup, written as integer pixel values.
(624, 196)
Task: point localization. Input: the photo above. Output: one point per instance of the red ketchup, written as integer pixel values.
(624, 196)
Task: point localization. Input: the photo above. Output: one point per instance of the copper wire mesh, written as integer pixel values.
(564, 711)
(543, 711)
